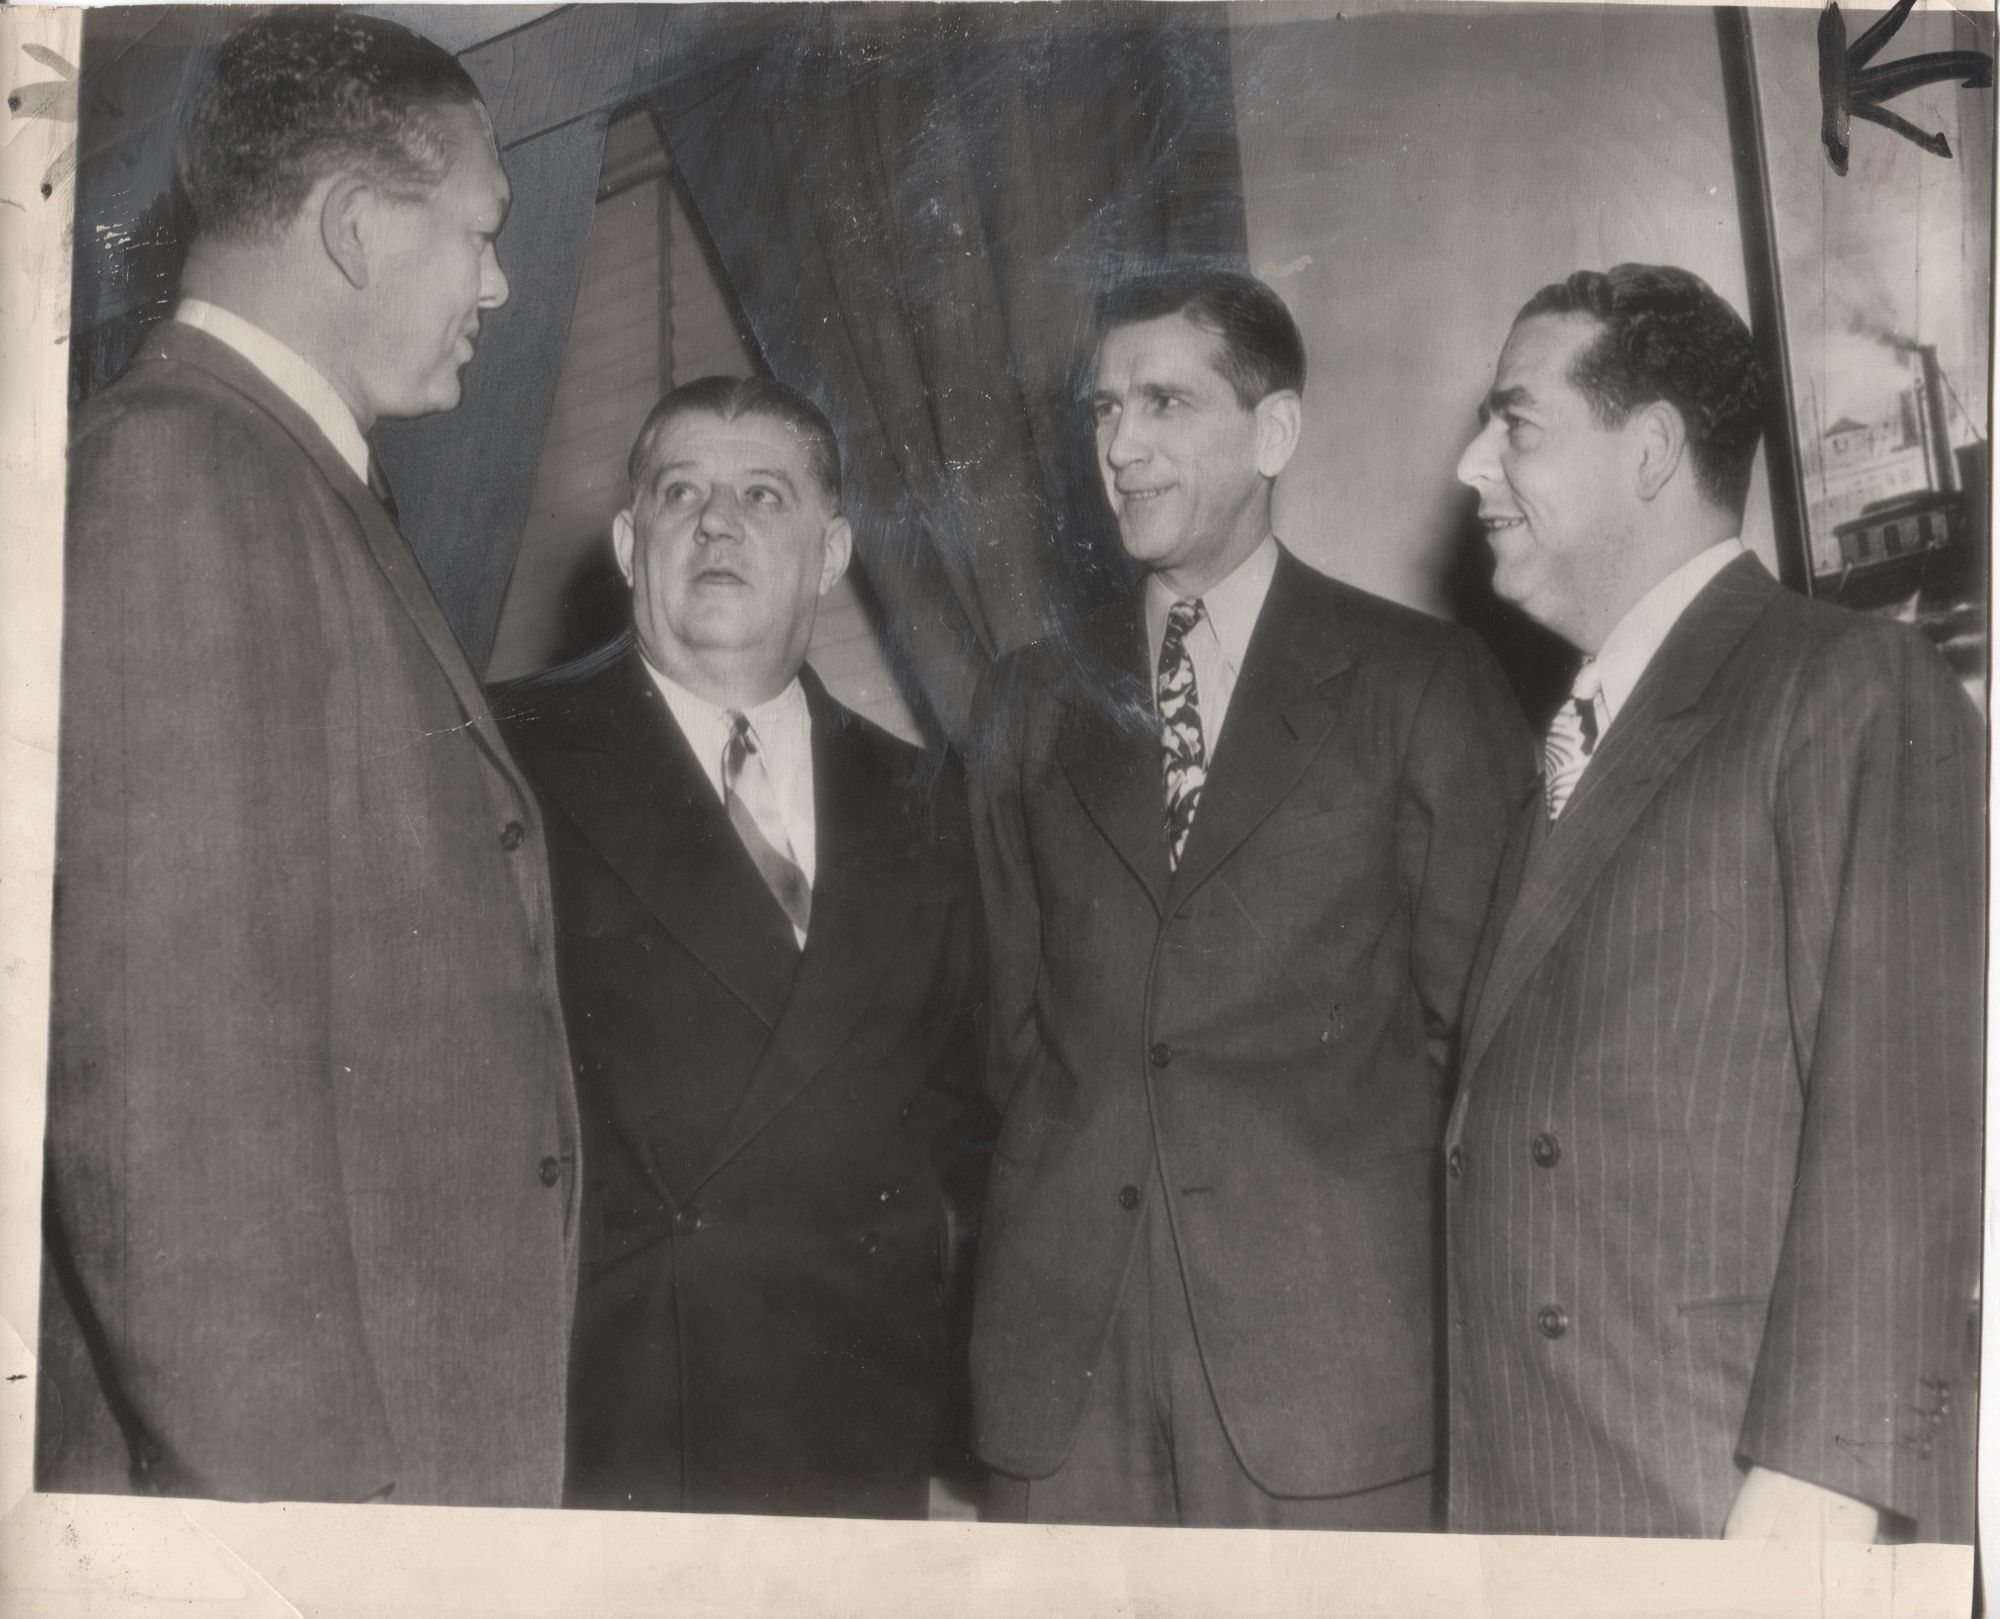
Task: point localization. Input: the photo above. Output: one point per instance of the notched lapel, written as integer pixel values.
(632, 786)
(865, 882)
(1109, 745)
(1279, 717)
(1660, 725)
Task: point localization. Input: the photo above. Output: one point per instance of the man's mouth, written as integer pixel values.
(727, 576)
(1499, 522)
(1140, 496)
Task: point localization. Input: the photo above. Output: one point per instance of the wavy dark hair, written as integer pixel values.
(1667, 336)
(297, 94)
(1262, 352)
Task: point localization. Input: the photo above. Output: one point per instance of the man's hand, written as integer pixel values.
(1777, 1506)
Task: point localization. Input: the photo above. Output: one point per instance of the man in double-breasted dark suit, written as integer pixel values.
(1238, 840)
(770, 951)
(1714, 1168)
(310, 1195)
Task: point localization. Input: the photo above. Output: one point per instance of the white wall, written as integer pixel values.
(1411, 180)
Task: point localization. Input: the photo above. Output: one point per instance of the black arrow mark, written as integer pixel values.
(1849, 87)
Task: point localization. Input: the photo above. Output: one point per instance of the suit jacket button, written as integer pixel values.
(1455, 1163)
(511, 835)
(869, 1242)
(1161, 1054)
(1551, 1321)
(1128, 1197)
(551, 1170)
(1546, 1150)
(688, 1218)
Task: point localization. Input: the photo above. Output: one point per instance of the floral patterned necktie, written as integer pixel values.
(1184, 754)
(1572, 737)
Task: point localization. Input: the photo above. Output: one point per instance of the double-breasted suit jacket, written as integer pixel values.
(1273, 1018)
(1714, 1169)
(771, 1133)
(311, 1135)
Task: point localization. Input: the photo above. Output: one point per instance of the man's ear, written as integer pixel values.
(1277, 431)
(344, 226)
(622, 538)
(836, 551)
(1661, 437)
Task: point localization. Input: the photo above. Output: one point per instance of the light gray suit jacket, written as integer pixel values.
(1713, 1171)
(311, 1161)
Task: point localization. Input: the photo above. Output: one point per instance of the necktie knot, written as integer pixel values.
(1182, 617)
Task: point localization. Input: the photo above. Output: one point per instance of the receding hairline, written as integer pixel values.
(645, 463)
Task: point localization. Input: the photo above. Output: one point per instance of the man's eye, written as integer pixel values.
(1104, 410)
(677, 494)
(1168, 404)
(762, 495)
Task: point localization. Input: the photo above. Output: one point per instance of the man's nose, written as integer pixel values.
(1479, 464)
(1126, 442)
(720, 518)
(493, 285)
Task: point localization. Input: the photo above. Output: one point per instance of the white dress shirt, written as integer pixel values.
(1645, 627)
(1219, 640)
(287, 371)
(783, 729)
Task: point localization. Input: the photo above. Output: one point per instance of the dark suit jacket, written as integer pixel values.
(1273, 1015)
(1715, 1189)
(311, 1133)
(769, 1132)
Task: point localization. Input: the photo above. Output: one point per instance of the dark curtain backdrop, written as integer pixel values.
(916, 208)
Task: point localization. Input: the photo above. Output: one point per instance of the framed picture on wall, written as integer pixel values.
(1870, 266)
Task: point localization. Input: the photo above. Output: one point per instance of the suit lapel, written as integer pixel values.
(1109, 744)
(386, 546)
(632, 785)
(1659, 726)
(1278, 720)
(860, 906)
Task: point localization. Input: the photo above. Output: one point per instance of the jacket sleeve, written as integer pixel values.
(1006, 878)
(1864, 1380)
(191, 1148)
(1469, 765)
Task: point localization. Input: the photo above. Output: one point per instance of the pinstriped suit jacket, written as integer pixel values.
(1713, 1171)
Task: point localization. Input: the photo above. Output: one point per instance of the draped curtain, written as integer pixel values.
(916, 208)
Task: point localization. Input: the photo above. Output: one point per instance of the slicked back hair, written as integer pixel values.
(1262, 352)
(298, 94)
(731, 397)
(1665, 335)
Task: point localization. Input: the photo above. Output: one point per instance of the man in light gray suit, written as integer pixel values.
(1713, 1170)
(310, 1161)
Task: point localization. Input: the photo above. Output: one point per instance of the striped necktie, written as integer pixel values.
(752, 802)
(1573, 736)
(1184, 755)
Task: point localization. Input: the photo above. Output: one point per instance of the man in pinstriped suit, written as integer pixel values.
(1713, 1171)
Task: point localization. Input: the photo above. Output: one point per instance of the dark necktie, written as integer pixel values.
(752, 802)
(1184, 754)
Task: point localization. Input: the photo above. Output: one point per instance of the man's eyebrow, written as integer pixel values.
(777, 474)
(1503, 399)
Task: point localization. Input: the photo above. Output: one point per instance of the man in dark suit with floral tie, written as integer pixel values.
(1238, 838)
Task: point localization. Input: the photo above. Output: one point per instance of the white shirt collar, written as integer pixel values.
(1231, 605)
(1636, 637)
(289, 372)
(783, 728)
